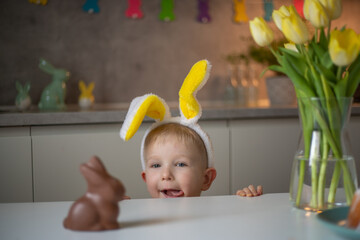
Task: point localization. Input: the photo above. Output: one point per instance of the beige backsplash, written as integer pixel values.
(125, 58)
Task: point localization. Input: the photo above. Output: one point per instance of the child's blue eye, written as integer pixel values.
(156, 165)
(181, 165)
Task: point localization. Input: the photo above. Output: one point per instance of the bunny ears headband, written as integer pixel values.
(156, 108)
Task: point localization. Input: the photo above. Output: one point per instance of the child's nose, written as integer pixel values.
(166, 174)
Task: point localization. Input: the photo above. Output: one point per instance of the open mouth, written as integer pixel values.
(172, 193)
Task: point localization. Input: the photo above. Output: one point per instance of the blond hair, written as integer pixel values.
(183, 133)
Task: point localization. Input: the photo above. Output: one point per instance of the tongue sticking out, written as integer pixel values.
(173, 193)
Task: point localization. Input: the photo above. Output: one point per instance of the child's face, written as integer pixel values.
(175, 169)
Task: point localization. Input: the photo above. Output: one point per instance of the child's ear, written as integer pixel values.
(209, 177)
(143, 175)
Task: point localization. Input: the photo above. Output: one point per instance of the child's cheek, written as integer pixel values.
(189, 179)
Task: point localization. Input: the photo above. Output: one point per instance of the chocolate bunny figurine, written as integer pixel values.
(98, 209)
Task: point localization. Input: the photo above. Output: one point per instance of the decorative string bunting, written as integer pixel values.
(268, 8)
(133, 10)
(42, 2)
(299, 6)
(167, 11)
(91, 6)
(203, 11)
(240, 11)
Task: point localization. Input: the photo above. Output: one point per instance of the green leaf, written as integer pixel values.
(307, 76)
(315, 77)
(276, 68)
(326, 60)
(323, 40)
(318, 49)
(292, 53)
(340, 87)
(317, 81)
(322, 54)
(328, 74)
(327, 90)
(354, 77)
(298, 80)
(298, 64)
(355, 64)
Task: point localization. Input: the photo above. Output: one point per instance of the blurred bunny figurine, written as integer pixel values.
(23, 100)
(98, 209)
(86, 98)
(53, 96)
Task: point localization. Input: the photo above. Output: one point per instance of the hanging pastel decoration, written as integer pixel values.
(133, 10)
(42, 2)
(299, 6)
(240, 11)
(167, 11)
(203, 11)
(91, 6)
(268, 8)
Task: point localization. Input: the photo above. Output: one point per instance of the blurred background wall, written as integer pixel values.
(125, 57)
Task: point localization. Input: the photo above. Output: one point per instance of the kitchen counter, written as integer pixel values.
(115, 113)
(270, 216)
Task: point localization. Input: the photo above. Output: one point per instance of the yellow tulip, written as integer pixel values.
(280, 14)
(333, 8)
(293, 27)
(344, 46)
(291, 46)
(316, 13)
(261, 32)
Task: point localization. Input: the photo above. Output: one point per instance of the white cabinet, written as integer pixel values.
(15, 165)
(220, 137)
(354, 135)
(42, 163)
(58, 152)
(262, 152)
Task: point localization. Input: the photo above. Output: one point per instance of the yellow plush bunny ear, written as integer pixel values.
(82, 86)
(148, 105)
(194, 81)
(90, 88)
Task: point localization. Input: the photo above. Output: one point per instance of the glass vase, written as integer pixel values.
(323, 174)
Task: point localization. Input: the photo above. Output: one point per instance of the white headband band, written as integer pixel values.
(194, 126)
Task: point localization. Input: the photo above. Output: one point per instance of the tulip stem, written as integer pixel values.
(334, 183)
(328, 30)
(307, 126)
(300, 182)
(339, 73)
(322, 173)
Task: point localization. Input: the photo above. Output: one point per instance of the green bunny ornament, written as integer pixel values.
(22, 100)
(53, 96)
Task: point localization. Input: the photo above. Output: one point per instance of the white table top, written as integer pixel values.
(270, 216)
